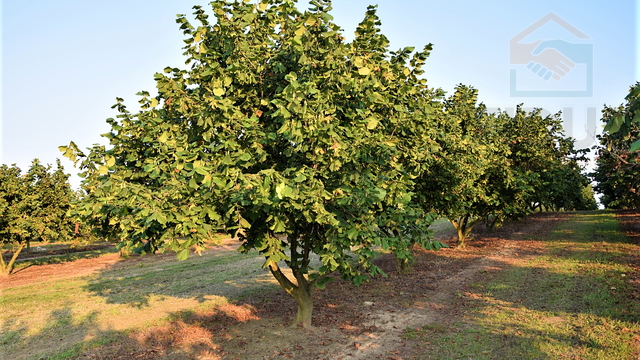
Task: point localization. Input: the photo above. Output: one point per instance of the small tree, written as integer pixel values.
(33, 206)
(279, 133)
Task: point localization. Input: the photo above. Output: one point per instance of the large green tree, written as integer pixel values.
(280, 133)
(33, 206)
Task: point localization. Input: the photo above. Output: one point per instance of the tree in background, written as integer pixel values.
(617, 173)
(472, 169)
(33, 206)
(303, 146)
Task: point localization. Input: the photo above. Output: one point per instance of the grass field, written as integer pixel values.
(575, 301)
(52, 318)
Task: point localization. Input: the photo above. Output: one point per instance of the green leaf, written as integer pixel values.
(245, 157)
(301, 30)
(110, 160)
(635, 146)
(613, 126)
(183, 254)
(364, 71)
(278, 226)
(322, 282)
(283, 190)
(310, 21)
(200, 170)
(244, 223)
(380, 193)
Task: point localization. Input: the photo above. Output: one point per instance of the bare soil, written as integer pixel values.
(348, 322)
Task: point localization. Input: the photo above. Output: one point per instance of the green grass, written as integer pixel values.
(62, 318)
(575, 301)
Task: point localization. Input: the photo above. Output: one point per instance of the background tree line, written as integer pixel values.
(33, 206)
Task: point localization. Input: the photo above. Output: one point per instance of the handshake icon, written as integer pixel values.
(552, 60)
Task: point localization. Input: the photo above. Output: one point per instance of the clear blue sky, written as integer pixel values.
(64, 62)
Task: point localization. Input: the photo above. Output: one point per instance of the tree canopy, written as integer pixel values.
(617, 172)
(279, 133)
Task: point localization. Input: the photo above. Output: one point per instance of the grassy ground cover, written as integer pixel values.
(42, 319)
(572, 301)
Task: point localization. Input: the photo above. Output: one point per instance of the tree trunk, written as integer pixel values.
(461, 237)
(463, 228)
(7, 268)
(304, 299)
(405, 266)
(302, 293)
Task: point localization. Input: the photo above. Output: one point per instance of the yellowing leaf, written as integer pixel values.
(110, 161)
(154, 102)
(103, 170)
(301, 30)
(163, 138)
(218, 91)
(406, 71)
(262, 6)
(364, 71)
(310, 21)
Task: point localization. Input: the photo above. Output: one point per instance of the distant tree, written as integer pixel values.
(280, 133)
(33, 206)
(472, 170)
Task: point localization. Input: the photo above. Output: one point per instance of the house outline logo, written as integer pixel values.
(551, 60)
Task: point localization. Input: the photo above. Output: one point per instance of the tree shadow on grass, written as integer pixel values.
(59, 334)
(210, 277)
(184, 335)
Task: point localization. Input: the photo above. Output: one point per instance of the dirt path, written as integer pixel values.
(440, 303)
